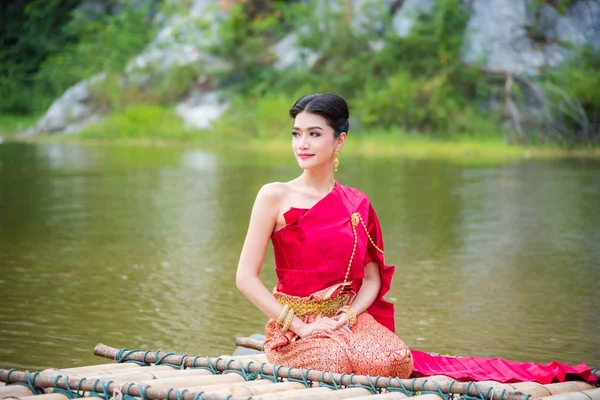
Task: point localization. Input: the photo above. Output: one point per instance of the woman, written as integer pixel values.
(327, 311)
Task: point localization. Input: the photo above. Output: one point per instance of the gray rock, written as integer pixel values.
(581, 24)
(180, 41)
(288, 54)
(200, 111)
(70, 112)
(497, 37)
(409, 13)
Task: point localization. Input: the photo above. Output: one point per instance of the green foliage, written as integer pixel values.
(573, 92)
(403, 84)
(12, 125)
(49, 46)
(415, 83)
(29, 32)
(580, 78)
(244, 42)
(114, 93)
(140, 122)
(104, 44)
(250, 117)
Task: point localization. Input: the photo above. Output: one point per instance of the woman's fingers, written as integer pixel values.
(339, 323)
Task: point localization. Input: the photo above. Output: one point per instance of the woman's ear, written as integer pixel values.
(340, 141)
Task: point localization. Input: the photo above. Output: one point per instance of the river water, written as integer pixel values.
(137, 247)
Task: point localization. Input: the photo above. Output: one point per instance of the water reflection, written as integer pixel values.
(137, 247)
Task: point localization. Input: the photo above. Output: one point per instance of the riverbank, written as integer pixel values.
(166, 130)
(12, 125)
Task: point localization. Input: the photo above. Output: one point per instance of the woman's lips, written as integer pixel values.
(305, 156)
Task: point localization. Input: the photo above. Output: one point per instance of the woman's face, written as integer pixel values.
(313, 141)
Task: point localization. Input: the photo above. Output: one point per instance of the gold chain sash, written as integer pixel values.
(355, 219)
(327, 307)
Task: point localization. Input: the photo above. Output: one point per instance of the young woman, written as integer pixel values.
(328, 310)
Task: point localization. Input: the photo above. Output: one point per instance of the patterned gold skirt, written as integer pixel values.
(370, 349)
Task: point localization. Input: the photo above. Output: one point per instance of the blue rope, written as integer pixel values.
(159, 360)
(142, 389)
(350, 380)
(30, 378)
(332, 385)
(502, 394)
(182, 364)
(480, 394)
(438, 390)
(371, 387)
(211, 367)
(79, 391)
(122, 354)
(403, 389)
(125, 392)
(66, 392)
(180, 394)
(273, 378)
(248, 376)
(304, 379)
(198, 396)
(105, 389)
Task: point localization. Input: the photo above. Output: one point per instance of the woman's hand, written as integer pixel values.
(337, 324)
(345, 319)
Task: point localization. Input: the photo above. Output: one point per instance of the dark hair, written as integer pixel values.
(329, 106)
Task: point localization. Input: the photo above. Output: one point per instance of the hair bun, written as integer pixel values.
(329, 106)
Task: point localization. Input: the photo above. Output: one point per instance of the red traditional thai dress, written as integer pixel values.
(312, 257)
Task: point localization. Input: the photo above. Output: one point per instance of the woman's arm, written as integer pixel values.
(262, 222)
(368, 291)
(366, 294)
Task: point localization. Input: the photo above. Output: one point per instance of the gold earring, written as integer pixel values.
(336, 161)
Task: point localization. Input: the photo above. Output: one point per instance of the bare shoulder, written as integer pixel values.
(272, 193)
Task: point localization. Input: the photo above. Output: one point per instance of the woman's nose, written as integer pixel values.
(303, 142)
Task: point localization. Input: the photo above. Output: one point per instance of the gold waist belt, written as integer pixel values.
(326, 307)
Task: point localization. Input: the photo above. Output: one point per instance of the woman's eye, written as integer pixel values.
(294, 133)
(315, 134)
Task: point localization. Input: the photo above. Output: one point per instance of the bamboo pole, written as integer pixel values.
(306, 392)
(385, 396)
(532, 388)
(95, 368)
(260, 358)
(245, 391)
(250, 343)
(47, 396)
(87, 385)
(320, 393)
(495, 384)
(14, 390)
(566, 387)
(180, 373)
(398, 396)
(327, 377)
(223, 391)
(120, 378)
(200, 380)
(593, 394)
(211, 387)
(125, 372)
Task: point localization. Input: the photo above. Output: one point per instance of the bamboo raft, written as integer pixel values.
(147, 375)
